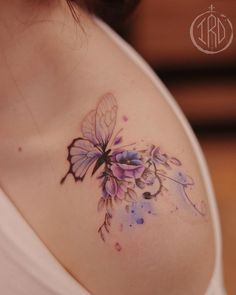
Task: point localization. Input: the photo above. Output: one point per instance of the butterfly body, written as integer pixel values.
(104, 159)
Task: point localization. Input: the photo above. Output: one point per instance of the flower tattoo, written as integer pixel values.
(131, 176)
(127, 164)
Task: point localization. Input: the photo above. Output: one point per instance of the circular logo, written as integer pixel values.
(211, 32)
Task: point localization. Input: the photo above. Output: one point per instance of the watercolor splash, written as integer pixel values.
(138, 211)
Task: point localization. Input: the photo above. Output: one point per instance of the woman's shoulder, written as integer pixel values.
(143, 207)
(143, 211)
(145, 218)
(118, 196)
(106, 175)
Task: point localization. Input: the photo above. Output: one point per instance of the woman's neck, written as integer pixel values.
(40, 46)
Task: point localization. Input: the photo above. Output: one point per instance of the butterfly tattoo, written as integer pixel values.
(136, 177)
(97, 128)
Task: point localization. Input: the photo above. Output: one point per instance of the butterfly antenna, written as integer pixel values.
(64, 178)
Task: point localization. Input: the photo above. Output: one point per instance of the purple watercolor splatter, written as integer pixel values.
(138, 210)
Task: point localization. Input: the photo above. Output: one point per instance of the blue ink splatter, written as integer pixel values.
(140, 221)
(137, 211)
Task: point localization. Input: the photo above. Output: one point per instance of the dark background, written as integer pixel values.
(204, 86)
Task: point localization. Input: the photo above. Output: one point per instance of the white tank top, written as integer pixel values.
(27, 266)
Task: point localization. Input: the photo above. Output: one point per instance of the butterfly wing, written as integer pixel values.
(97, 128)
(105, 119)
(81, 155)
(88, 127)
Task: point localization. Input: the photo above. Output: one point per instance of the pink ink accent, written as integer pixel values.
(125, 118)
(118, 247)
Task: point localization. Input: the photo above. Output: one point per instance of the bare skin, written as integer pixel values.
(52, 74)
